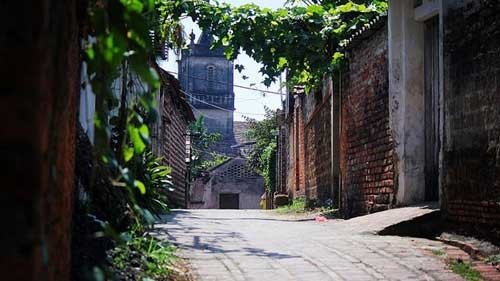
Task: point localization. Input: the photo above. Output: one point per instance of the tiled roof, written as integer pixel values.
(168, 80)
(365, 31)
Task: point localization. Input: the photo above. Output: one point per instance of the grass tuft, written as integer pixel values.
(493, 260)
(438, 252)
(465, 270)
(298, 206)
(142, 256)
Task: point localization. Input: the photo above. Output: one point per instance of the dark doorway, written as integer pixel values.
(431, 65)
(229, 201)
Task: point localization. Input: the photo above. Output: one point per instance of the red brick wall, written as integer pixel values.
(296, 152)
(366, 142)
(471, 166)
(317, 133)
(300, 153)
(39, 56)
(289, 171)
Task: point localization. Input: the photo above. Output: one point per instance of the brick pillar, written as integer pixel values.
(39, 55)
(299, 152)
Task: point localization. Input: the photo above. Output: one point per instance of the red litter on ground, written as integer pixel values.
(320, 219)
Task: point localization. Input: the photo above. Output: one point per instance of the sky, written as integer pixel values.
(248, 103)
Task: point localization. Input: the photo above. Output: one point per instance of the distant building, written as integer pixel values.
(207, 78)
(230, 185)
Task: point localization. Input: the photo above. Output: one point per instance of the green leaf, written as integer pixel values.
(282, 62)
(148, 216)
(133, 5)
(144, 131)
(90, 53)
(136, 139)
(337, 57)
(128, 153)
(140, 186)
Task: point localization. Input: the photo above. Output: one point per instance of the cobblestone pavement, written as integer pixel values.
(258, 245)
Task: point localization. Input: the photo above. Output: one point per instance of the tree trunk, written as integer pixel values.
(39, 66)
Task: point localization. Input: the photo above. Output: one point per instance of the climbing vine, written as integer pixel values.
(307, 41)
(262, 156)
(268, 169)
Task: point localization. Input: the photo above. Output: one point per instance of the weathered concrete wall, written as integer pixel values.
(222, 75)
(218, 121)
(249, 191)
(87, 105)
(39, 54)
(367, 144)
(472, 111)
(406, 100)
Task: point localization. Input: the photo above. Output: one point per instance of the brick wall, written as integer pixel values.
(295, 174)
(174, 150)
(299, 153)
(289, 170)
(317, 133)
(471, 167)
(171, 135)
(39, 54)
(281, 153)
(366, 142)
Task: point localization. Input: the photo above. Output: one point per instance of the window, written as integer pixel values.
(210, 77)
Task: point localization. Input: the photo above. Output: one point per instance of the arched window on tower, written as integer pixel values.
(211, 77)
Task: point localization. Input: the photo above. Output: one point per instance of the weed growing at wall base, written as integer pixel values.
(465, 270)
(142, 257)
(298, 206)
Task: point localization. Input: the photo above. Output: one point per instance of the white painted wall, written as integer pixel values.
(406, 99)
(87, 105)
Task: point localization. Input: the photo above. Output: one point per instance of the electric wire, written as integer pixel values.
(225, 83)
(218, 107)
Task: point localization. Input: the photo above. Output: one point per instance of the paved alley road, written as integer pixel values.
(258, 245)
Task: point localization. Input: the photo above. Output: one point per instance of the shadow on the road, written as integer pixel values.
(172, 218)
(261, 253)
(427, 226)
(212, 245)
(213, 248)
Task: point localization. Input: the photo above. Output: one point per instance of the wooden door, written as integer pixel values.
(431, 65)
(229, 201)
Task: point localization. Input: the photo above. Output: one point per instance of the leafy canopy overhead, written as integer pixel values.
(307, 41)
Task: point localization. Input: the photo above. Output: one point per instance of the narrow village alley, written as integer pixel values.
(240, 140)
(260, 245)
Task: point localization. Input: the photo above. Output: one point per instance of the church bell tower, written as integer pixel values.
(207, 77)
